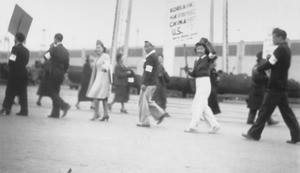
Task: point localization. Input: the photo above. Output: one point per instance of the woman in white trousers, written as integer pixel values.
(201, 71)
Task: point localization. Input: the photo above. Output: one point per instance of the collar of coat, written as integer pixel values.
(152, 51)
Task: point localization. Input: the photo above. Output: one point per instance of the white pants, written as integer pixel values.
(148, 107)
(200, 104)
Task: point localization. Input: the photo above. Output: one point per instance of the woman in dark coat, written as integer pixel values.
(121, 78)
(160, 94)
(85, 79)
(43, 89)
(213, 99)
(256, 95)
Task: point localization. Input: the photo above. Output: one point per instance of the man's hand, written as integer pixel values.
(186, 69)
(143, 87)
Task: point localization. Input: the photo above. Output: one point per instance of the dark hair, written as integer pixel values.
(59, 37)
(160, 54)
(87, 58)
(201, 44)
(119, 57)
(20, 37)
(279, 33)
(259, 56)
(149, 43)
(99, 42)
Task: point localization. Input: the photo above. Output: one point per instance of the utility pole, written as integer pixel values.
(115, 34)
(137, 37)
(125, 55)
(225, 36)
(211, 37)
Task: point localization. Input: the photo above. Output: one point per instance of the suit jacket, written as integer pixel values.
(150, 67)
(57, 66)
(18, 61)
(201, 67)
(279, 65)
(59, 62)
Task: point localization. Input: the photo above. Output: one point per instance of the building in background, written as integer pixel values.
(241, 58)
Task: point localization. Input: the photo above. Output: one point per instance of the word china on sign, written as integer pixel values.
(182, 20)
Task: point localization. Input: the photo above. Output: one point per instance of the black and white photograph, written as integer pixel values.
(144, 86)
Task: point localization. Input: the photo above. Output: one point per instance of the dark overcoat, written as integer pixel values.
(57, 67)
(120, 82)
(257, 90)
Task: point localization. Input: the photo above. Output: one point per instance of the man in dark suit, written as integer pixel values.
(276, 94)
(18, 77)
(58, 57)
(149, 81)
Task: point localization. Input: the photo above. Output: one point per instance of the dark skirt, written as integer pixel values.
(121, 93)
(213, 102)
(82, 93)
(43, 89)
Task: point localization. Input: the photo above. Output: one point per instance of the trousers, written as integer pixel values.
(16, 87)
(200, 104)
(148, 107)
(271, 100)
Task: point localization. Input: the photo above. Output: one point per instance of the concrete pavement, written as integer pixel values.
(40, 144)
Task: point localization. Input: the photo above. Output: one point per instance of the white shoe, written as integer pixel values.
(190, 130)
(215, 129)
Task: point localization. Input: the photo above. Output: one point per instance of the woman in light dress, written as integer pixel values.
(99, 85)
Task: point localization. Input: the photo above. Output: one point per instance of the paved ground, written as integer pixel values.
(37, 144)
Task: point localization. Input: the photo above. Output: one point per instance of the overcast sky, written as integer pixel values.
(82, 22)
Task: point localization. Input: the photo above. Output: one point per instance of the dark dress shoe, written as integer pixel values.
(22, 114)
(160, 119)
(247, 136)
(293, 141)
(123, 111)
(65, 111)
(51, 116)
(167, 115)
(4, 111)
(143, 125)
(272, 122)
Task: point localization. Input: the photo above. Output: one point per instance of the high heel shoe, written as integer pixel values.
(38, 103)
(105, 118)
(95, 117)
(123, 111)
(77, 106)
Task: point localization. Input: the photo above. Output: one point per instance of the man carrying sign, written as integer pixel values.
(18, 77)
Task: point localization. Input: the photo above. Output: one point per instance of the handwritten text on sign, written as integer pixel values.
(182, 20)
